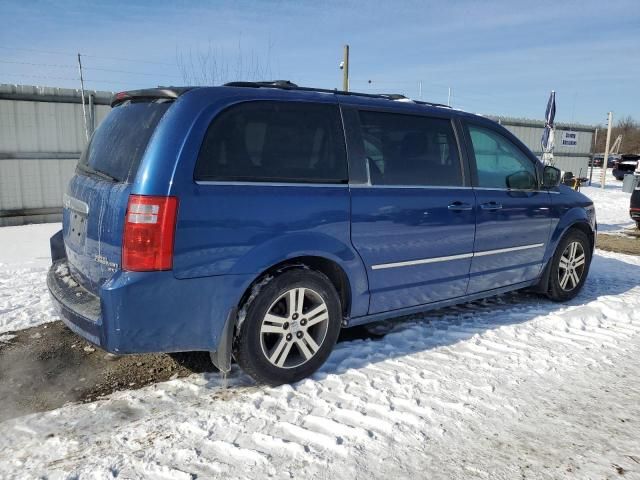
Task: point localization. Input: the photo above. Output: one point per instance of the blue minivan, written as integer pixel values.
(256, 220)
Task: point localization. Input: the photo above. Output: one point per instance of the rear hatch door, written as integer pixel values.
(96, 200)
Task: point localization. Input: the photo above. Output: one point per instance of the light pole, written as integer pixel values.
(603, 175)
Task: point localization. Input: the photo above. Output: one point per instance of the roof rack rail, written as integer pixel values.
(284, 84)
(288, 85)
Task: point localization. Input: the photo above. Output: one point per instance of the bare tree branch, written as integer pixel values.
(212, 67)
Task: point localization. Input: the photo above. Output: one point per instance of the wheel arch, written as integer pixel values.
(587, 230)
(333, 256)
(329, 267)
(579, 224)
(576, 217)
(221, 357)
(326, 254)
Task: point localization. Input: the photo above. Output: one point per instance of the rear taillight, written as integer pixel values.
(149, 229)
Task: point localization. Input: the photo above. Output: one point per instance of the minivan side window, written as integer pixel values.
(410, 150)
(499, 163)
(265, 141)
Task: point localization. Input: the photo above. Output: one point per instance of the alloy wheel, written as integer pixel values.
(572, 265)
(294, 328)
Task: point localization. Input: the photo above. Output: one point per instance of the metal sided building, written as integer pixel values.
(41, 137)
(573, 143)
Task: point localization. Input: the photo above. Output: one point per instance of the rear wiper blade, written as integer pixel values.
(97, 173)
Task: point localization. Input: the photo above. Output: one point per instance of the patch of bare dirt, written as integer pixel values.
(44, 367)
(627, 242)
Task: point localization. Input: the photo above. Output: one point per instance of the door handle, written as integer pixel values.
(491, 206)
(459, 207)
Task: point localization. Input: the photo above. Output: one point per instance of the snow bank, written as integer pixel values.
(24, 260)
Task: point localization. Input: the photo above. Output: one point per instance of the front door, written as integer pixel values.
(413, 221)
(513, 216)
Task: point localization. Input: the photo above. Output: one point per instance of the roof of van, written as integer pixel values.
(175, 92)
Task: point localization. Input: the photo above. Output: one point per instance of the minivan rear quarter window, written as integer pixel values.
(117, 146)
(265, 141)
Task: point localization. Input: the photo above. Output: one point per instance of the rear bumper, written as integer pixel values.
(79, 308)
(144, 312)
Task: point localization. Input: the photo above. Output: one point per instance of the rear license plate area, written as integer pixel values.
(78, 215)
(77, 227)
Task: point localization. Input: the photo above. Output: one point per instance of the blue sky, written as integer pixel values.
(498, 57)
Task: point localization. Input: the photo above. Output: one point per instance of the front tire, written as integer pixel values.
(290, 327)
(570, 266)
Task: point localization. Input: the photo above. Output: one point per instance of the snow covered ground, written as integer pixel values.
(24, 260)
(514, 387)
(612, 204)
(511, 387)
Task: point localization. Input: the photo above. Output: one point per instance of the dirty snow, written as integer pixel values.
(510, 387)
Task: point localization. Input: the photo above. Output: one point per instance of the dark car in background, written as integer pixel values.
(634, 208)
(627, 164)
(598, 159)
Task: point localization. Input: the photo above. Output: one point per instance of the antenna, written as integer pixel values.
(84, 110)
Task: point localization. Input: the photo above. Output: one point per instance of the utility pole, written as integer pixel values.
(449, 97)
(595, 145)
(345, 69)
(606, 151)
(420, 89)
(84, 110)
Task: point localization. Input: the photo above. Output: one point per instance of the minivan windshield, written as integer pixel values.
(116, 147)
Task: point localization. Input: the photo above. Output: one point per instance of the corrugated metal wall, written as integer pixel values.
(570, 159)
(41, 137)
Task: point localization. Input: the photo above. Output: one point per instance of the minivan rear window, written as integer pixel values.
(266, 141)
(117, 146)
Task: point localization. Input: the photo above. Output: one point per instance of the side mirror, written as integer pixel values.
(522, 180)
(551, 177)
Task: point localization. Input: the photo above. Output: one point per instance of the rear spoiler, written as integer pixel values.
(170, 93)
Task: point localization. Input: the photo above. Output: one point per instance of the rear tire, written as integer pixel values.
(569, 266)
(291, 326)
